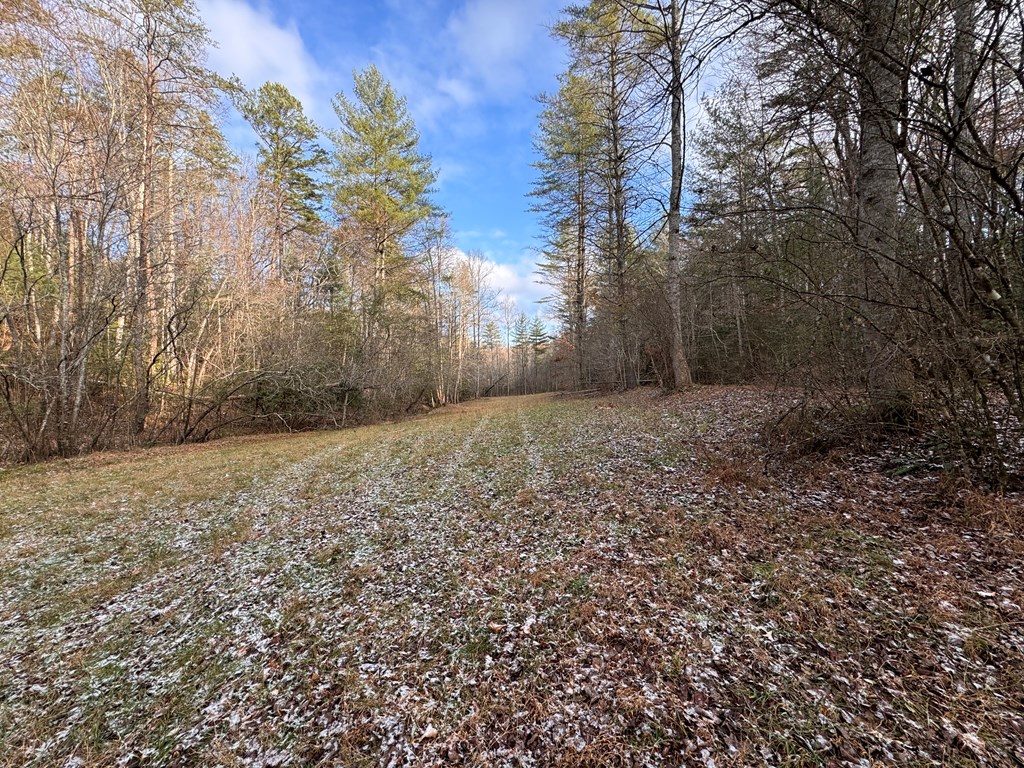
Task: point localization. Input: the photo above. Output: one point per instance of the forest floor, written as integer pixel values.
(541, 581)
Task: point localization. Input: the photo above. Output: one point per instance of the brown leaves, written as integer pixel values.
(647, 605)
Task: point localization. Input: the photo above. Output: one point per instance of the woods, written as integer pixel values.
(815, 194)
(841, 211)
(157, 287)
(745, 487)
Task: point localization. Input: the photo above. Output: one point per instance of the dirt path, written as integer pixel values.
(535, 581)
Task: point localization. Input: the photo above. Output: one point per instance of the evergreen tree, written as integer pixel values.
(567, 193)
(382, 181)
(521, 344)
(289, 159)
(521, 331)
(492, 335)
(605, 56)
(538, 337)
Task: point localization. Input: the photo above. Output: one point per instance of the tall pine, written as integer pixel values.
(381, 180)
(289, 159)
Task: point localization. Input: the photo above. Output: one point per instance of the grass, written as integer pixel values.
(518, 581)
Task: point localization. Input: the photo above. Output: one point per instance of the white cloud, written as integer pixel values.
(498, 41)
(448, 170)
(490, 35)
(518, 280)
(484, 53)
(256, 48)
(511, 267)
(457, 90)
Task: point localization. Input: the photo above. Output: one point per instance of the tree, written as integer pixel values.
(134, 248)
(603, 53)
(861, 196)
(539, 336)
(567, 192)
(289, 161)
(381, 181)
(520, 332)
(666, 23)
(492, 336)
(167, 89)
(442, 307)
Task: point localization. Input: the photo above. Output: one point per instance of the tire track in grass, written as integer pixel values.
(414, 600)
(375, 684)
(558, 692)
(326, 612)
(411, 614)
(506, 579)
(521, 583)
(376, 637)
(134, 635)
(453, 607)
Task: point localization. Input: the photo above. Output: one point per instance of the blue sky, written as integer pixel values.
(470, 69)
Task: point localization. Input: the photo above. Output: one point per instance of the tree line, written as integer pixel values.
(155, 286)
(841, 211)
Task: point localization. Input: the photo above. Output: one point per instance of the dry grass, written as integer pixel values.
(535, 581)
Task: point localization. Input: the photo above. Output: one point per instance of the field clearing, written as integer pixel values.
(534, 581)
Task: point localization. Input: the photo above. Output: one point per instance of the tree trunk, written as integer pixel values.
(677, 346)
(619, 223)
(144, 340)
(878, 187)
(580, 278)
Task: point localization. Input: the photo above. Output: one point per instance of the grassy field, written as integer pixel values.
(525, 582)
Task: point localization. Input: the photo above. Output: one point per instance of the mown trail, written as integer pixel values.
(533, 581)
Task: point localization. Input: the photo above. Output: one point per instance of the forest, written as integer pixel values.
(290, 477)
(839, 211)
(157, 287)
(843, 216)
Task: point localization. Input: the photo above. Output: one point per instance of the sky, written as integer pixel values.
(471, 71)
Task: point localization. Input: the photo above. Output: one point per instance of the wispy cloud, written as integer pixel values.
(498, 42)
(515, 279)
(458, 90)
(448, 170)
(481, 54)
(257, 48)
(518, 280)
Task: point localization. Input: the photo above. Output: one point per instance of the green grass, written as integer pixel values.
(517, 575)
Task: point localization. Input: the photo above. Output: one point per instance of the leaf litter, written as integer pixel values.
(518, 582)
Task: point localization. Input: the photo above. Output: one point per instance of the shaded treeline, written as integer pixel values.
(826, 194)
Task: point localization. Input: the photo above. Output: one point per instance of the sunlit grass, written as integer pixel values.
(533, 576)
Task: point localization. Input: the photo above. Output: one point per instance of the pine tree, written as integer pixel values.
(492, 335)
(604, 54)
(567, 189)
(289, 160)
(538, 337)
(521, 331)
(381, 181)
(521, 344)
